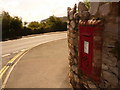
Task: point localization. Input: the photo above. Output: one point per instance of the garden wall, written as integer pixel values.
(106, 44)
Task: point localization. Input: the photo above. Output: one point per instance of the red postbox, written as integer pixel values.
(88, 32)
(86, 52)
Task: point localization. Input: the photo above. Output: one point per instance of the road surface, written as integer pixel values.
(11, 46)
(45, 66)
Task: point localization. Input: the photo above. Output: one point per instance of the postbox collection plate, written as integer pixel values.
(86, 47)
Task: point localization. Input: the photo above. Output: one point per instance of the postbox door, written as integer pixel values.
(86, 47)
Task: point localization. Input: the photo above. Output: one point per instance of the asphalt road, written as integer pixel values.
(45, 66)
(11, 46)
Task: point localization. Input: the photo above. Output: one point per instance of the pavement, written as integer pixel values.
(44, 66)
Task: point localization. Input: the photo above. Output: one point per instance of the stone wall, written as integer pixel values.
(109, 55)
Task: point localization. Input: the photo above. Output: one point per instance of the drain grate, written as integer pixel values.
(9, 64)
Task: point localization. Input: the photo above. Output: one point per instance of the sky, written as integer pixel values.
(36, 10)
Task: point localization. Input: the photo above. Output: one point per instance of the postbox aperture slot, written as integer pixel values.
(86, 35)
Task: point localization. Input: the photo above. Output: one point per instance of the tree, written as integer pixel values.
(25, 23)
(16, 23)
(54, 24)
(0, 19)
(34, 25)
(87, 3)
(11, 26)
(0, 27)
(50, 23)
(6, 18)
(15, 26)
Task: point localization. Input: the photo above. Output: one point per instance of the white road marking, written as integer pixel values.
(6, 55)
(16, 52)
(23, 50)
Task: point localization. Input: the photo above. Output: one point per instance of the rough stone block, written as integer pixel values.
(69, 57)
(97, 38)
(70, 40)
(74, 9)
(76, 16)
(107, 61)
(70, 45)
(111, 78)
(72, 52)
(118, 64)
(107, 84)
(108, 58)
(73, 35)
(68, 22)
(104, 67)
(75, 42)
(94, 8)
(114, 61)
(72, 23)
(104, 9)
(92, 85)
(84, 15)
(68, 9)
(68, 12)
(111, 29)
(78, 85)
(71, 15)
(76, 61)
(71, 75)
(102, 85)
(117, 19)
(76, 78)
(114, 70)
(82, 7)
(70, 28)
(111, 19)
(74, 68)
(86, 86)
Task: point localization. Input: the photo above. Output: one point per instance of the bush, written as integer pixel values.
(12, 27)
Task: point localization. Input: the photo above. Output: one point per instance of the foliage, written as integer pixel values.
(13, 27)
(16, 23)
(0, 19)
(0, 27)
(6, 18)
(51, 24)
(34, 25)
(55, 24)
(87, 3)
(25, 23)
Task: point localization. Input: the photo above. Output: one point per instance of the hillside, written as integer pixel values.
(64, 19)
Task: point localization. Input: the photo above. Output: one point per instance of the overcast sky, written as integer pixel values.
(36, 10)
